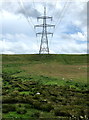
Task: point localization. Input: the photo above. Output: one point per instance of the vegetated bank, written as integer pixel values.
(45, 86)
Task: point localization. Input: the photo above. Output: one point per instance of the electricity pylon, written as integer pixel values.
(44, 48)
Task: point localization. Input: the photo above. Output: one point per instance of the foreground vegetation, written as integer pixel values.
(45, 86)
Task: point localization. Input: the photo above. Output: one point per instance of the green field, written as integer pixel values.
(45, 86)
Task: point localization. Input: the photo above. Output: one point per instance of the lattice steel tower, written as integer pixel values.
(44, 48)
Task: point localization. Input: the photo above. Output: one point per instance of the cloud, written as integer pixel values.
(28, 11)
(69, 35)
(23, 44)
(25, 9)
(68, 44)
(18, 44)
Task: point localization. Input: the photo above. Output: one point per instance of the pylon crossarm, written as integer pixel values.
(38, 33)
(49, 18)
(38, 26)
(49, 33)
(44, 17)
(48, 25)
(42, 25)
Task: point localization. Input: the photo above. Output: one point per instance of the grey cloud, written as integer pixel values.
(26, 9)
(28, 12)
(10, 6)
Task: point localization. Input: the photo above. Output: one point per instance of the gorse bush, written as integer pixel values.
(7, 108)
(47, 107)
(37, 105)
(21, 110)
(36, 115)
(59, 112)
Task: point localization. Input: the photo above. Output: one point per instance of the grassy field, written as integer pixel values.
(58, 81)
(68, 67)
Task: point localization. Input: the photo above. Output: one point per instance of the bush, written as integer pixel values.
(28, 99)
(76, 84)
(27, 106)
(59, 112)
(5, 111)
(18, 105)
(53, 98)
(15, 93)
(7, 108)
(47, 107)
(36, 114)
(37, 105)
(9, 99)
(36, 97)
(21, 111)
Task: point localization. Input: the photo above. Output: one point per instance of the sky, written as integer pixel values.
(18, 18)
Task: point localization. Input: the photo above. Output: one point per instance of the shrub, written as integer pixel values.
(27, 106)
(9, 99)
(5, 111)
(59, 112)
(28, 99)
(37, 105)
(76, 84)
(15, 93)
(36, 114)
(36, 97)
(18, 105)
(21, 111)
(53, 98)
(12, 107)
(7, 108)
(47, 107)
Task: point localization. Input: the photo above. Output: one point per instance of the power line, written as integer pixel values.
(35, 8)
(51, 21)
(53, 10)
(26, 12)
(60, 17)
(62, 14)
(29, 22)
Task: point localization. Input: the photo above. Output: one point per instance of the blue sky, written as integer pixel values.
(18, 36)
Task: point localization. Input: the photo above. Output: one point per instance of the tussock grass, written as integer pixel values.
(61, 81)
